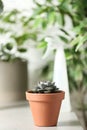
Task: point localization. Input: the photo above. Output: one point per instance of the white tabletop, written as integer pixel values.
(20, 118)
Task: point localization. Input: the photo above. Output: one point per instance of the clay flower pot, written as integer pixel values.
(45, 107)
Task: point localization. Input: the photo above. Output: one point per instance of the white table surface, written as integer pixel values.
(20, 118)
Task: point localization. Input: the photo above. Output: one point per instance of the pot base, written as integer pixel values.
(51, 125)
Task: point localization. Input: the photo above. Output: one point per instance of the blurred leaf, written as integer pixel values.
(36, 3)
(64, 31)
(42, 44)
(37, 22)
(20, 39)
(51, 17)
(22, 49)
(49, 0)
(77, 29)
(3, 30)
(9, 46)
(64, 6)
(82, 39)
(64, 1)
(63, 39)
(68, 55)
(60, 0)
(75, 40)
(1, 6)
(10, 17)
(39, 11)
(27, 21)
(33, 36)
(44, 23)
(60, 18)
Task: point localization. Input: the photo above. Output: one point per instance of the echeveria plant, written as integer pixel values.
(45, 87)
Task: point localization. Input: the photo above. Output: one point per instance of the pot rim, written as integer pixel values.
(45, 96)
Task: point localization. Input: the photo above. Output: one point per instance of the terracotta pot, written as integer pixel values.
(45, 107)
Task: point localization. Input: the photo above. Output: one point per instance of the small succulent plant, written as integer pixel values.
(45, 87)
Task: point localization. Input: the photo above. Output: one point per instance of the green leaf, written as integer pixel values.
(64, 31)
(49, 0)
(3, 30)
(36, 3)
(37, 22)
(22, 50)
(60, 0)
(68, 56)
(75, 40)
(44, 23)
(37, 12)
(77, 29)
(21, 39)
(78, 46)
(65, 7)
(1, 6)
(63, 39)
(9, 46)
(82, 39)
(51, 17)
(60, 18)
(10, 17)
(42, 44)
(33, 36)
